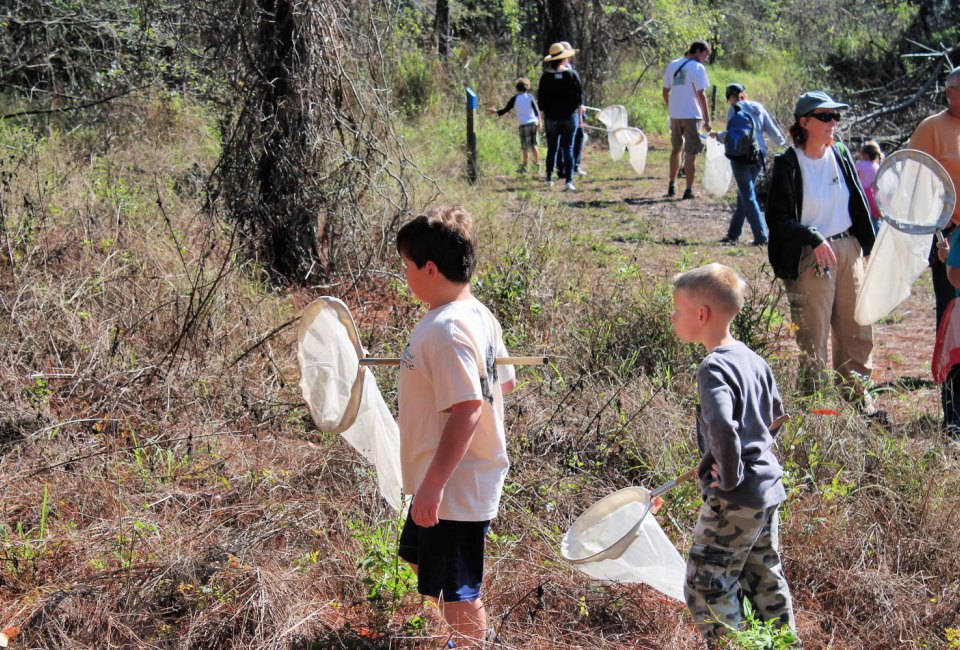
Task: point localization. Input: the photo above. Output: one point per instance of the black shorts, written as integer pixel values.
(449, 557)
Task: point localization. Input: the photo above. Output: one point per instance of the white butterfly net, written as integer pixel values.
(343, 396)
(636, 144)
(911, 193)
(651, 558)
(916, 197)
(614, 117)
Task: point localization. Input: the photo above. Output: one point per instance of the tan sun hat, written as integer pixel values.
(559, 51)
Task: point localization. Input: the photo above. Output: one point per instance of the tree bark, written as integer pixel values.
(441, 28)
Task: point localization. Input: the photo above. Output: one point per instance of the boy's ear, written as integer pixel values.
(703, 314)
(431, 268)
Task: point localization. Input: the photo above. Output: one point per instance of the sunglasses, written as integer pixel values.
(825, 117)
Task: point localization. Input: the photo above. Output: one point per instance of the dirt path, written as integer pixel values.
(632, 213)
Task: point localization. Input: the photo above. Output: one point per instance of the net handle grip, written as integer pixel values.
(691, 473)
(501, 361)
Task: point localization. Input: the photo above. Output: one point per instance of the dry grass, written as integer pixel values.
(151, 394)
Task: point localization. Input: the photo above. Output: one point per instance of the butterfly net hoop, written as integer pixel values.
(342, 396)
(650, 558)
(614, 117)
(914, 193)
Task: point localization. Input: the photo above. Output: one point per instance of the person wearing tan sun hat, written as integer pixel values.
(579, 137)
(560, 97)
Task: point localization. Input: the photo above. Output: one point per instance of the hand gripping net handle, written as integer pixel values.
(613, 502)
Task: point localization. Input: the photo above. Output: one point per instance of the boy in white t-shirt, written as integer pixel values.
(453, 453)
(528, 121)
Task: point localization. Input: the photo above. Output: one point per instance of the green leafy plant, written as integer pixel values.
(24, 547)
(755, 634)
(386, 576)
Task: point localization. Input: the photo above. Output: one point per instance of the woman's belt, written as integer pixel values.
(839, 235)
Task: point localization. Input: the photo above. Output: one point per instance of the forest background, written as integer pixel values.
(178, 180)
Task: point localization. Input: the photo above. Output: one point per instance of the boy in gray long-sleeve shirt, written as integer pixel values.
(735, 549)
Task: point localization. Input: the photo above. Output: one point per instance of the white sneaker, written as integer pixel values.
(581, 172)
(549, 185)
(569, 187)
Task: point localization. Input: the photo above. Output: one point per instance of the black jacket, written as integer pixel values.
(785, 205)
(559, 94)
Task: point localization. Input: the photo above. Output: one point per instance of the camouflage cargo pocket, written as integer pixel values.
(708, 569)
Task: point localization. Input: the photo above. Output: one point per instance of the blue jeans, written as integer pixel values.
(560, 140)
(748, 208)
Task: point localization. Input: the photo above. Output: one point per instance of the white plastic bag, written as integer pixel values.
(717, 171)
(636, 143)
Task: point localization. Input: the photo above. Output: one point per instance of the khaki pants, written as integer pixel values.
(822, 309)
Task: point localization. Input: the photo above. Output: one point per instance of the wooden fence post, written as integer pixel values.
(471, 137)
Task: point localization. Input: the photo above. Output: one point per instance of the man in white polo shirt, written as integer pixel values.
(684, 84)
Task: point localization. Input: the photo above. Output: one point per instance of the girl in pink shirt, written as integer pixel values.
(867, 166)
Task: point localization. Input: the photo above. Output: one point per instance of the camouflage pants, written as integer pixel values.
(735, 553)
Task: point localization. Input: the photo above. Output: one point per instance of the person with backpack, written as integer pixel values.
(744, 144)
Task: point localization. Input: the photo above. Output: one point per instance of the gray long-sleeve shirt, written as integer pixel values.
(739, 400)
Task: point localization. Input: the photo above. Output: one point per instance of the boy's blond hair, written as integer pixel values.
(716, 285)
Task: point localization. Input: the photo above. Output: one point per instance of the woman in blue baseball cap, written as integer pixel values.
(820, 232)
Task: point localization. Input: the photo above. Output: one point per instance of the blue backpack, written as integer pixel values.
(740, 142)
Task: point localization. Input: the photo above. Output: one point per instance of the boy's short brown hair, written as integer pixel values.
(523, 84)
(445, 236)
(716, 285)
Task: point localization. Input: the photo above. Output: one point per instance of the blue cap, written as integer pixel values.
(813, 100)
(734, 89)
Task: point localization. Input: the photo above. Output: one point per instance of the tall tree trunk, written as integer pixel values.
(441, 28)
(558, 22)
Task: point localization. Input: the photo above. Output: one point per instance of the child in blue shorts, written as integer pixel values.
(453, 453)
(735, 552)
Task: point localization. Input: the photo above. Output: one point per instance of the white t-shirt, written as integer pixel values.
(682, 102)
(523, 105)
(826, 197)
(440, 367)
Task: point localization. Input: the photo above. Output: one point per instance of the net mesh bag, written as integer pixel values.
(342, 396)
(614, 117)
(636, 143)
(650, 559)
(897, 260)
